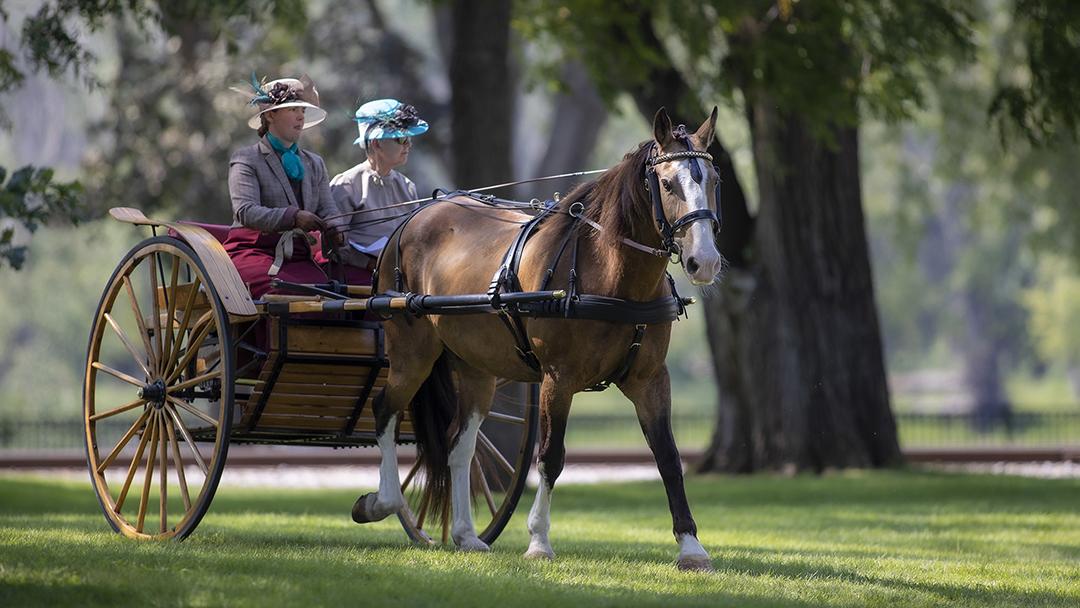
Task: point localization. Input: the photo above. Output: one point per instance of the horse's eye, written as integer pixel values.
(667, 184)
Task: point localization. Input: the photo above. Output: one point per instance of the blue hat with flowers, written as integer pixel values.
(387, 119)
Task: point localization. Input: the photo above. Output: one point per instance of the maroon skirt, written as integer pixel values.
(253, 254)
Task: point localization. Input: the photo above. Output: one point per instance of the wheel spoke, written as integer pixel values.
(154, 301)
(484, 486)
(134, 464)
(170, 297)
(191, 442)
(143, 332)
(505, 418)
(118, 374)
(409, 477)
(425, 501)
(445, 524)
(194, 411)
(179, 462)
(192, 349)
(487, 465)
(129, 346)
(189, 306)
(119, 410)
(490, 448)
(123, 442)
(193, 381)
(150, 457)
(163, 481)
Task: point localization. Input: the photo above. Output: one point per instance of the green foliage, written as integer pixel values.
(50, 37)
(28, 198)
(1055, 320)
(817, 59)
(52, 302)
(879, 539)
(1037, 97)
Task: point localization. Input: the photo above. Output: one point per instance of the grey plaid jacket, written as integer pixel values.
(262, 198)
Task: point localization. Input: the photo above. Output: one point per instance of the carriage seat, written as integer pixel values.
(218, 231)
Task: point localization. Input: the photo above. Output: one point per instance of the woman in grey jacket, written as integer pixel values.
(279, 192)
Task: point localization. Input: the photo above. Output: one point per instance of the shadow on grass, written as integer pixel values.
(298, 547)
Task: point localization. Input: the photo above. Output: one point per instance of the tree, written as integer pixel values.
(47, 42)
(481, 92)
(797, 347)
(50, 41)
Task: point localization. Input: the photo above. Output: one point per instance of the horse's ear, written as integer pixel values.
(661, 128)
(704, 134)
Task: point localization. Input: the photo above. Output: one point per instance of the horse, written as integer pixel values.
(456, 248)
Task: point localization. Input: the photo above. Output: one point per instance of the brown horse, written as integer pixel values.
(456, 249)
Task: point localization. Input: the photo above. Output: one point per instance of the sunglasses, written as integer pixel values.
(401, 141)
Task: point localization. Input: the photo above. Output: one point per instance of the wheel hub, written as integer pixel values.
(154, 393)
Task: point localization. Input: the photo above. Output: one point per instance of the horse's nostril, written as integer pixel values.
(691, 265)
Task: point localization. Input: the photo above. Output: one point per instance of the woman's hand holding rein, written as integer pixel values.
(308, 221)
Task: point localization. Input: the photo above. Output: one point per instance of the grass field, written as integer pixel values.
(855, 539)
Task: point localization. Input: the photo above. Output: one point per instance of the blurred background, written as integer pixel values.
(899, 185)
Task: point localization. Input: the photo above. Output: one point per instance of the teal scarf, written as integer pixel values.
(290, 158)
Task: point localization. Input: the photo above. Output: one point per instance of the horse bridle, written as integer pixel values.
(668, 230)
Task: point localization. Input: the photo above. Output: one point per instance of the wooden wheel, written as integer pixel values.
(504, 452)
(158, 392)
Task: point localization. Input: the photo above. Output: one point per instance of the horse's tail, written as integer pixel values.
(434, 412)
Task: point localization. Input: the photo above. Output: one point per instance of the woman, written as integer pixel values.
(386, 128)
(279, 192)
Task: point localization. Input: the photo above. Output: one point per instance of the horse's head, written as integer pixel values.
(685, 191)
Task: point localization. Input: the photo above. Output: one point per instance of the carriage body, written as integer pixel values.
(203, 366)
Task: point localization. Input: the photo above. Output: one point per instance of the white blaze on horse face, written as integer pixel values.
(461, 457)
(540, 520)
(700, 258)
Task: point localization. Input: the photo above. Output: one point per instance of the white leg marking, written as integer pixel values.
(540, 521)
(389, 499)
(692, 555)
(461, 457)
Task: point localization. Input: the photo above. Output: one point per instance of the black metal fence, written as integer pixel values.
(585, 430)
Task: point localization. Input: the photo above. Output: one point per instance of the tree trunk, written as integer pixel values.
(812, 364)
(481, 104)
(797, 355)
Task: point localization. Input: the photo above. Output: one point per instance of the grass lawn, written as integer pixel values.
(854, 539)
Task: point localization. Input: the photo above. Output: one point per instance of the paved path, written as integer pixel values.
(367, 476)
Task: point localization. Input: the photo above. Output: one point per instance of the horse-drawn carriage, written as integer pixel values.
(208, 366)
(205, 366)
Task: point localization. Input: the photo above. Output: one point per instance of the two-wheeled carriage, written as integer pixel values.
(182, 363)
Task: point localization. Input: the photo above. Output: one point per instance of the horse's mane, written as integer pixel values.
(616, 200)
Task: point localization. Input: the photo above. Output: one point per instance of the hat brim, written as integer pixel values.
(377, 133)
(312, 116)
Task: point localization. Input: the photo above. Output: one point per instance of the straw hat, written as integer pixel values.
(387, 119)
(284, 93)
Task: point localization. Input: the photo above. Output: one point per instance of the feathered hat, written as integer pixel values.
(387, 119)
(284, 93)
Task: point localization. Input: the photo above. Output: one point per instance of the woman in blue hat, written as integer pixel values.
(387, 127)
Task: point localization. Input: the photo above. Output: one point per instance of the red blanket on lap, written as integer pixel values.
(253, 253)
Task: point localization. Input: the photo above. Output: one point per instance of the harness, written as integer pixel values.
(576, 305)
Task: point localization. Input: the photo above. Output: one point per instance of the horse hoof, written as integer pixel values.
(540, 554)
(696, 564)
(361, 513)
(473, 544)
